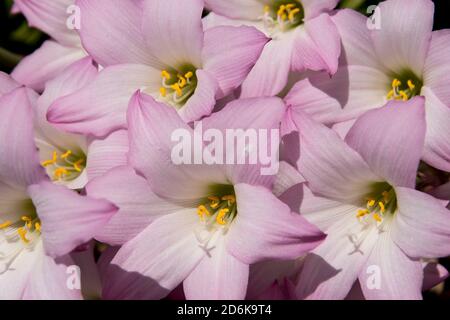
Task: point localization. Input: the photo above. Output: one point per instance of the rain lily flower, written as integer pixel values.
(159, 47)
(363, 197)
(303, 38)
(402, 59)
(71, 159)
(52, 17)
(40, 222)
(201, 225)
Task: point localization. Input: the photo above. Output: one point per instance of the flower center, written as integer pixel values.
(379, 203)
(177, 86)
(283, 15)
(65, 166)
(404, 86)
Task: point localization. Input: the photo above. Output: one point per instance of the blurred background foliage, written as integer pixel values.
(17, 40)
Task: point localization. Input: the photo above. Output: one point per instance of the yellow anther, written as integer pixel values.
(293, 13)
(214, 201)
(37, 226)
(181, 81)
(376, 217)
(382, 207)
(201, 211)
(52, 161)
(77, 164)
(390, 94)
(5, 224)
(370, 203)
(189, 75)
(221, 215)
(60, 172)
(25, 218)
(411, 85)
(163, 91)
(177, 89)
(165, 75)
(22, 233)
(403, 95)
(230, 198)
(65, 155)
(362, 213)
(290, 6)
(266, 9)
(396, 83)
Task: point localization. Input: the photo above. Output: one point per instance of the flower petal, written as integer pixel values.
(403, 39)
(68, 219)
(138, 205)
(218, 276)
(45, 63)
(391, 139)
(230, 53)
(19, 162)
(421, 227)
(100, 108)
(156, 261)
(266, 228)
(389, 274)
(237, 9)
(173, 31)
(315, 7)
(317, 46)
(7, 84)
(111, 32)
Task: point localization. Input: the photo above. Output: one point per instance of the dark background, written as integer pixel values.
(18, 40)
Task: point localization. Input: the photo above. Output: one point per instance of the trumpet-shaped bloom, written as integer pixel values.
(159, 47)
(303, 38)
(58, 19)
(197, 224)
(71, 159)
(364, 199)
(398, 60)
(40, 222)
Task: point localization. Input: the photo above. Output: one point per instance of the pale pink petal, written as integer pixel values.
(51, 17)
(100, 108)
(151, 126)
(266, 228)
(218, 276)
(421, 227)
(107, 153)
(173, 31)
(270, 74)
(68, 219)
(391, 139)
(7, 84)
(230, 53)
(389, 274)
(315, 7)
(156, 261)
(45, 63)
(403, 39)
(437, 138)
(237, 9)
(287, 177)
(317, 46)
(203, 100)
(436, 74)
(111, 32)
(138, 205)
(19, 162)
(332, 168)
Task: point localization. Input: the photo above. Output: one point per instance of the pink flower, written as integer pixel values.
(200, 225)
(40, 222)
(400, 60)
(50, 16)
(364, 199)
(159, 47)
(303, 38)
(73, 159)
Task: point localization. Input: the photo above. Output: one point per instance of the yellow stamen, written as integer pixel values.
(290, 6)
(165, 75)
(411, 85)
(370, 203)
(5, 224)
(390, 94)
(377, 217)
(163, 91)
(230, 198)
(403, 95)
(181, 81)
(293, 13)
(214, 201)
(221, 215)
(396, 83)
(60, 172)
(22, 233)
(382, 207)
(177, 89)
(202, 211)
(37, 226)
(362, 213)
(266, 9)
(25, 218)
(52, 161)
(65, 155)
(189, 75)
(77, 164)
